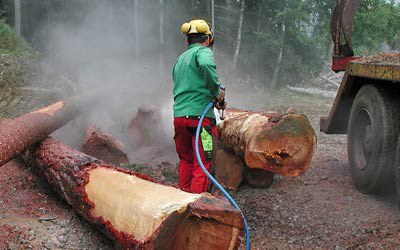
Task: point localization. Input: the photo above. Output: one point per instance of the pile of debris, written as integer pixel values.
(325, 84)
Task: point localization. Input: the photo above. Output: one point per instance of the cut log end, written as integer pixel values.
(287, 149)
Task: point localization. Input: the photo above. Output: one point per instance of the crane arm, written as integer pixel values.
(341, 29)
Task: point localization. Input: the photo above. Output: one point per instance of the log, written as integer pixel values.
(282, 144)
(313, 91)
(229, 169)
(145, 128)
(258, 178)
(103, 146)
(131, 209)
(20, 133)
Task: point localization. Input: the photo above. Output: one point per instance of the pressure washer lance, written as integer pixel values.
(221, 113)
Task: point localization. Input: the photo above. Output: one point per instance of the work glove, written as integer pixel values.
(220, 99)
(221, 105)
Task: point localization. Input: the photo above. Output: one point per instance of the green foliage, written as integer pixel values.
(306, 41)
(298, 28)
(376, 23)
(10, 43)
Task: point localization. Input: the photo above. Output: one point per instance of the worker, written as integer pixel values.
(195, 85)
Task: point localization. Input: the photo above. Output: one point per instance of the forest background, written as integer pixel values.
(269, 42)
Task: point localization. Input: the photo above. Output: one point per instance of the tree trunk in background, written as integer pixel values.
(280, 144)
(239, 35)
(161, 39)
(17, 22)
(329, 52)
(131, 209)
(136, 27)
(279, 61)
(259, 16)
(213, 14)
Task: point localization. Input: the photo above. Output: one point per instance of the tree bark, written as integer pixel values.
(20, 133)
(280, 144)
(130, 208)
(229, 169)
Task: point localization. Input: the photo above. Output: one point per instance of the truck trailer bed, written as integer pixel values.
(384, 67)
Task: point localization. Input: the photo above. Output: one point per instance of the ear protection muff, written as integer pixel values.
(196, 26)
(202, 27)
(211, 38)
(185, 28)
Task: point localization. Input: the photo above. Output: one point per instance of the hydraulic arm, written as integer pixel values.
(341, 29)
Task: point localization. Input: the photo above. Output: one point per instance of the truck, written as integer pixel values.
(366, 108)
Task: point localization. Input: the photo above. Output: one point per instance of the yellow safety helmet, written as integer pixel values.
(196, 26)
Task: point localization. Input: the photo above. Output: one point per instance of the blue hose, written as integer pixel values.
(213, 180)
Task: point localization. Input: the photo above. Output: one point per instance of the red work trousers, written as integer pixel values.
(191, 177)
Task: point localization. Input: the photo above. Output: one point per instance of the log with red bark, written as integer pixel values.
(130, 208)
(282, 144)
(104, 146)
(20, 133)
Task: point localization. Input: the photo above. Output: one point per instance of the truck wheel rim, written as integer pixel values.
(363, 139)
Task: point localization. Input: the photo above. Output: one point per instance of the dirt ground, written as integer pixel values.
(319, 210)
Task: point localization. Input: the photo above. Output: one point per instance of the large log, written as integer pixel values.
(281, 144)
(20, 133)
(131, 209)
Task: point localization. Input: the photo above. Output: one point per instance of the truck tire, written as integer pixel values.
(397, 172)
(372, 139)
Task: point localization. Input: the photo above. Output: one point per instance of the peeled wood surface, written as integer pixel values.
(229, 169)
(132, 210)
(281, 144)
(20, 133)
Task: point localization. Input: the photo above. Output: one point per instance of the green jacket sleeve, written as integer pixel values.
(205, 59)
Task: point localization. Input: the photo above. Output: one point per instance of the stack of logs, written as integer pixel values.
(137, 212)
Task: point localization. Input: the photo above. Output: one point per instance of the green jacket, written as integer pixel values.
(195, 81)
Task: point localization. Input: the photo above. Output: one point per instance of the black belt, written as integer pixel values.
(192, 117)
(212, 120)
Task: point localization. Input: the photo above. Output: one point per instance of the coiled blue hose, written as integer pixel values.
(213, 180)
